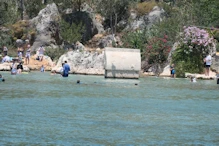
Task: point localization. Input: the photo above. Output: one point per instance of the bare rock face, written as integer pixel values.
(147, 20)
(82, 62)
(215, 63)
(7, 67)
(46, 24)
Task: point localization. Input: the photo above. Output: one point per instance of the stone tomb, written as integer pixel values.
(122, 63)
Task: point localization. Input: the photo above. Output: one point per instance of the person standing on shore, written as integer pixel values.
(27, 56)
(5, 50)
(66, 69)
(207, 61)
(172, 71)
(41, 53)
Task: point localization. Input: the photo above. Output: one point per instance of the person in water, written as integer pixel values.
(13, 68)
(19, 68)
(66, 69)
(217, 77)
(1, 78)
(42, 69)
(193, 79)
(62, 69)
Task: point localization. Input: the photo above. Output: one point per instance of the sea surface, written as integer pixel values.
(43, 109)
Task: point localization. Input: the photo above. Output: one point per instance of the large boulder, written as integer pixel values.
(215, 63)
(7, 67)
(46, 24)
(147, 20)
(82, 62)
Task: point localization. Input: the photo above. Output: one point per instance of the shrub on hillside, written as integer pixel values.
(22, 30)
(72, 33)
(54, 53)
(156, 52)
(135, 40)
(145, 7)
(194, 45)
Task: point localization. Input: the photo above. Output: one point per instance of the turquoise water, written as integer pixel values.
(41, 109)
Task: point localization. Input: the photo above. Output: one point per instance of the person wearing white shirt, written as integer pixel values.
(207, 61)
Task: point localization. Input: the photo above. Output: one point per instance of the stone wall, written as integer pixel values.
(122, 63)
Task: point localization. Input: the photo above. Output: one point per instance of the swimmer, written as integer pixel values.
(192, 79)
(217, 77)
(13, 68)
(53, 72)
(78, 81)
(1, 78)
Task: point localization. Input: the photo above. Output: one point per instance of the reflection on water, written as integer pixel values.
(40, 109)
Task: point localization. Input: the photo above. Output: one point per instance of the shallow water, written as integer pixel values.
(40, 109)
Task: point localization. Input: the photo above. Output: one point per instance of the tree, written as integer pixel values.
(71, 32)
(114, 11)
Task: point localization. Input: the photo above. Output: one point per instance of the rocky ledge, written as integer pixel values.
(82, 62)
(33, 64)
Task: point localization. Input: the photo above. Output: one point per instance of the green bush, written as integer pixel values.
(135, 40)
(54, 53)
(72, 32)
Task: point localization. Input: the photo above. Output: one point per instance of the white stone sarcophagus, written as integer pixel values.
(122, 63)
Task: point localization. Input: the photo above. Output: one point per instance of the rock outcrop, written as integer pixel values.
(215, 63)
(82, 62)
(46, 24)
(7, 67)
(147, 20)
(89, 20)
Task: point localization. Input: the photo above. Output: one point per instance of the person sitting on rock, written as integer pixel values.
(19, 68)
(6, 59)
(42, 69)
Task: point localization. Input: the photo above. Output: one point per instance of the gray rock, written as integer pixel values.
(147, 20)
(96, 25)
(7, 67)
(19, 42)
(215, 63)
(82, 62)
(46, 24)
(106, 41)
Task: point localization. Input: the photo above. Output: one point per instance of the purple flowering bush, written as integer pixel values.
(194, 45)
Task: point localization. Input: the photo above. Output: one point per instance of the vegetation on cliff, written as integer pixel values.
(204, 14)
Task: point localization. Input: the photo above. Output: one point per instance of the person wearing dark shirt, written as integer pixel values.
(19, 68)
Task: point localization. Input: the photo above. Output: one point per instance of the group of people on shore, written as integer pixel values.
(207, 64)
